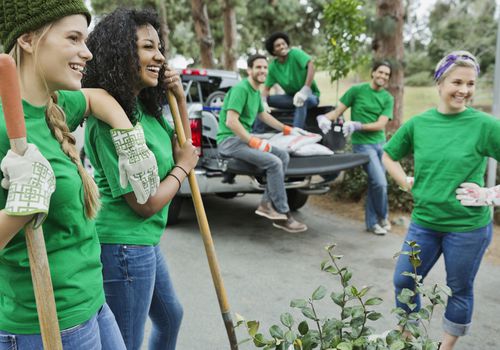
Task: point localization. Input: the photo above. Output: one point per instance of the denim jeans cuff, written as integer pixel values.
(455, 329)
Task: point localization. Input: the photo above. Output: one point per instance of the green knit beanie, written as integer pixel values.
(22, 16)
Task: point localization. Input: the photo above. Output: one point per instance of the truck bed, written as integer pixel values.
(304, 166)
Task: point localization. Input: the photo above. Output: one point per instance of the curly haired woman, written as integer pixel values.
(136, 278)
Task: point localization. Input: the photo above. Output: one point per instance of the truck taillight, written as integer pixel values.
(189, 71)
(196, 134)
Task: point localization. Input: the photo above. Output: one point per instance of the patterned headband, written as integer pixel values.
(451, 60)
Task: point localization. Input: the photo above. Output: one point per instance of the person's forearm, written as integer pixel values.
(265, 93)
(104, 107)
(337, 112)
(310, 73)
(271, 121)
(380, 124)
(166, 192)
(10, 226)
(233, 123)
(396, 171)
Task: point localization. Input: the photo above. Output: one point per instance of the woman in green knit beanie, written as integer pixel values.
(46, 38)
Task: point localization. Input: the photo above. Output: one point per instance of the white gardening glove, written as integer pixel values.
(301, 96)
(471, 195)
(324, 123)
(30, 181)
(350, 127)
(409, 184)
(136, 163)
(265, 105)
(292, 130)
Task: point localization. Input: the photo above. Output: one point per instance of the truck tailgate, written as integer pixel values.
(305, 166)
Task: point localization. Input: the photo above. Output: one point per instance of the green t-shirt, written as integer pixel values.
(367, 105)
(291, 75)
(448, 150)
(117, 222)
(72, 244)
(243, 99)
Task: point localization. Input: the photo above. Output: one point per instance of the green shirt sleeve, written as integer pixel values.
(74, 104)
(300, 57)
(271, 77)
(237, 99)
(490, 145)
(349, 96)
(401, 143)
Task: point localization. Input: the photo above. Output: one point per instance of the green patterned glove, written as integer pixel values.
(136, 163)
(30, 181)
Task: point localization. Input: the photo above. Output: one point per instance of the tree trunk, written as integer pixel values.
(203, 34)
(159, 7)
(388, 45)
(230, 42)
(165, 31)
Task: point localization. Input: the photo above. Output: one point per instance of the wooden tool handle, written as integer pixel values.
(39, 264)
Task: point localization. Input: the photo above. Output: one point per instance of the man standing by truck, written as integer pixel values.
(371, 108)
(242, 105)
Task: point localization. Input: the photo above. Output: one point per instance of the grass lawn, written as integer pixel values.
(416, 99)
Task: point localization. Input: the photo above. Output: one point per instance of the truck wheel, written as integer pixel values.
(174, 210)
(216, 100)
(296, 199)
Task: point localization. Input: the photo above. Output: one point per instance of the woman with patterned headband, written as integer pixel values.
(450, 145)
(47, 41)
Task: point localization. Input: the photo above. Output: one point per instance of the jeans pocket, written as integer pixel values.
(74, 329)
(8, 342)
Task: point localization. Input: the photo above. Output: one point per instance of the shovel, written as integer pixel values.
(205, 232)
(39, 264)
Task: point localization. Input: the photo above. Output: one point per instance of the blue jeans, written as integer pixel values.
(376, 206)
(137, 283)
(274, 164)
(286, 102)
(463, 252)
(98, 333)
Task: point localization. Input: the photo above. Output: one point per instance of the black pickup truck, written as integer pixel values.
(227, 177)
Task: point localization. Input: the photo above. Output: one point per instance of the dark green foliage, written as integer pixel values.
(349, 330)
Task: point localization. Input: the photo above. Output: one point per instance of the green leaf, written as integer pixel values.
(373, 316)
(309, 313)
(319, 293)
(287, 320)
(347, 276)
(338, 298)
(374, 301)
(344, 346)
(298, 303)
(397, 345)
(253, 328)
(303, 328)
(276, 332)
(290, 337)
(363, 291)
(259, 340)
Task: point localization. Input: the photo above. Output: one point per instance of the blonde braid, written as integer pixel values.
(56, 120)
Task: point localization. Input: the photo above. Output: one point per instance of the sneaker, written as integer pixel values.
(377, 230)
(290, 224)
(266, 210)
(386, 224)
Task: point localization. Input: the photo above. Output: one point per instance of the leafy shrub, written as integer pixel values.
(350, 330)
(419, 79)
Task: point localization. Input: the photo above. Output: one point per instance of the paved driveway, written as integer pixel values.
(264, 268)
